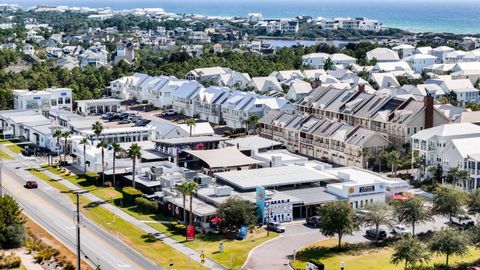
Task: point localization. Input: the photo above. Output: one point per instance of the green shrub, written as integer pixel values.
(145, 205)
(130, 194)
(92, 176)
(10, 261)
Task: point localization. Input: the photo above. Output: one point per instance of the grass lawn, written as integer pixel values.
(4, 155)
(373, 259)
(156, 251)
(15, 148)
(19, 268)
(207, 243)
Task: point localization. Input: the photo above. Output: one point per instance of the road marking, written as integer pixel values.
(70, 227)
(124, 265)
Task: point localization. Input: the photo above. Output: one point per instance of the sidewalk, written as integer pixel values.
(28, 261)
(137, 223)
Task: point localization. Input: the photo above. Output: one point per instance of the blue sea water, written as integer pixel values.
(455, 16)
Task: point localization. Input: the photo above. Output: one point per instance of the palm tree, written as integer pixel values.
(102, 144)
(84, 141)
(97, 128)
(392, 158)
(253, 119)
(134, 152)
(366, 156)
(452, 175)
(58, 135)
(191, 122)
(191, 188)
(463, 176)
(115, 147)
(65, 136)
(183, 189)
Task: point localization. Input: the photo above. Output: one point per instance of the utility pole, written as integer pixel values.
(79, 255)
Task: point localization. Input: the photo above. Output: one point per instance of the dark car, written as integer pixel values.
(275, 227)
(31, 185)
(313, 220)
(373, 234)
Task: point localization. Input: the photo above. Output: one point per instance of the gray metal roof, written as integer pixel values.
(312, 196)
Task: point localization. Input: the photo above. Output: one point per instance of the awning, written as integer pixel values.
(223, 158)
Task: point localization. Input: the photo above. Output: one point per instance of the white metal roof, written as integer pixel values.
(223, 158)
(447, 130)
(271, 177)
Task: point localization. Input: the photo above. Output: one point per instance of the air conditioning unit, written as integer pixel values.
(221, 191)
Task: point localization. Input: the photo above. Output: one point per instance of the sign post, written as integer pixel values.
(190, 233)
(202, 257)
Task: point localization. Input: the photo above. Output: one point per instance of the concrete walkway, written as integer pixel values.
(27, 260)
(137, 223)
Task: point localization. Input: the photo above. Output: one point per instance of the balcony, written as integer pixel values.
(305, 140)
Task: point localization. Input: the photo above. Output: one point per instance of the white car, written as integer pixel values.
(464, 221)
(401, 229)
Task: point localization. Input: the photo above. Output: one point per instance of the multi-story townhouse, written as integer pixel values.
(241, 105)
(183, 99)
(397, 118)
(321, 138)
(127, 87)
(208, 105)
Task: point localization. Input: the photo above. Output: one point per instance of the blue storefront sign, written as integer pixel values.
(63, 94)
(37, 97)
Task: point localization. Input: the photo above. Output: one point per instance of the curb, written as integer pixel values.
(253, 249)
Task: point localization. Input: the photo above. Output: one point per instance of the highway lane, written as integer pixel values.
(55, 212)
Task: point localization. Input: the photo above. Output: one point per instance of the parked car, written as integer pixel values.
(464, 221)
(374, 234)
(169, 112)
(401, 229)
(360, 214)
(275, 227)
(124, 121)
(107, 116)
(313, 220)
(31, 185)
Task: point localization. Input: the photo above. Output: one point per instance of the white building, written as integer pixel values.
(382, 55)
(98, 106)
(50, 98)
(429, 143)
(418, 62)
(465, 155)
(298, 89)
(317, 60)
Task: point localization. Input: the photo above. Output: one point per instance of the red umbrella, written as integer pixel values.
(216, 220)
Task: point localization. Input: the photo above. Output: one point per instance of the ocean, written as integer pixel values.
(460, 16)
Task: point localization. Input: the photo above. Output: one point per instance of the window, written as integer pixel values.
(414, 130)
(67, 100)
(60, 101)
(54, 102)
(408, 131)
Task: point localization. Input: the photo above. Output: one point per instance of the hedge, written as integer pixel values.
(92, 176)
(146, 206)
(130, 194)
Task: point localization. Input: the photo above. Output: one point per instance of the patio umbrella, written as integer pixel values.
(216, 220)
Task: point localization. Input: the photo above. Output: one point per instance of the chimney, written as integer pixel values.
(428, 103)
(316, 83)
(361, 88)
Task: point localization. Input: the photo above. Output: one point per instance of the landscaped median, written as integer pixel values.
(4, 155)
(235, 251)
(364, 257)
(156, 251)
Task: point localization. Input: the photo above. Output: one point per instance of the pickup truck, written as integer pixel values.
(464, 221)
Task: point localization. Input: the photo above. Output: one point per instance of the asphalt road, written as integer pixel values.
(54, 211)
(276, 254)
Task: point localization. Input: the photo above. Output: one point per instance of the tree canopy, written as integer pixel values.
(12, 230)
(236, 212)
(336, 218)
